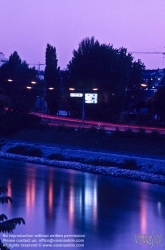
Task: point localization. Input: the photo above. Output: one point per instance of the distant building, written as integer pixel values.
(153, 79)
(2, 59)
(138, 105)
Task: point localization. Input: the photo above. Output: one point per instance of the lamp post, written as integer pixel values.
(83, 100)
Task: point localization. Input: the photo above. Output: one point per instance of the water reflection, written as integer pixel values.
(108, 210)
(50, 193)
(143, 207)
(90, 200)
(30, 191)
(159, 208)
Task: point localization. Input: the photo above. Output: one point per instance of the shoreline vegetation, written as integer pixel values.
(137, 156)
(127, 142)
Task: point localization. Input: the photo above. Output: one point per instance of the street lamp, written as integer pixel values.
(83, 100)
(10, 80)
(17, 83)
(143, 85)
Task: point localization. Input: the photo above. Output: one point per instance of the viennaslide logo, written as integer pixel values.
(151, 239)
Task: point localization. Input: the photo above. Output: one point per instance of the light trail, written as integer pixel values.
(72, 122)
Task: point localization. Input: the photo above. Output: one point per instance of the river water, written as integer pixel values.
(104, 212)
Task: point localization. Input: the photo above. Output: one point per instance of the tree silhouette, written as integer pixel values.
(7, 225)
(112, 71)
(52, 78)
(20, 76)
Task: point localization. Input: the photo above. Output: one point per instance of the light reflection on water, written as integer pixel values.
(109, 211)
(143, 207)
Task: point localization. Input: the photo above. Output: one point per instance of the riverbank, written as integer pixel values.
(149, 169)
(123, 142)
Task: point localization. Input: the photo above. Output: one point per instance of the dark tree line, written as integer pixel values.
(15, 75)
(112, 71)
(93, 65)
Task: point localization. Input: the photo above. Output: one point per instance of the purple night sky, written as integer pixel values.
(28, 25)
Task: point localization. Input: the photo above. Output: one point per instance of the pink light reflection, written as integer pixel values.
(143, 208)
(30, 192)
(50, 193)
(71, 205)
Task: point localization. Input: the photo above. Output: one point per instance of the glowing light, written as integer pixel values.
(10, 80)
(71, 89)
(28, 87)
(50, 88)
(33, 82)
(143, 85)
(95, 89)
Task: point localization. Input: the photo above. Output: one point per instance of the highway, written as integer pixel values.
(77, 123)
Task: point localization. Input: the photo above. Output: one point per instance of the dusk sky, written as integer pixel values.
(28, 25)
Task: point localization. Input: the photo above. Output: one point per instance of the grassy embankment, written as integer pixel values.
(93, 139)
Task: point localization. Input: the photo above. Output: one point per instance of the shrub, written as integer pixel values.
(36, 152)
(160, 172)
(130, 164)
(141, 134)
(61, 128)
(101, 131)
(92, 130)
(80, 130)
(2, 140)
(29, 120)
(142, 119)
(155, 135)
(12, 122)
(2, 144)
(128, 133)
(70, 129)
(100, 162)
(56, 156)
(41, 126)
(20, 149)
(117, 133)
(23, 150)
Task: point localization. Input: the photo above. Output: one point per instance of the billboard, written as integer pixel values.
(91, 98)
(76, 95)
